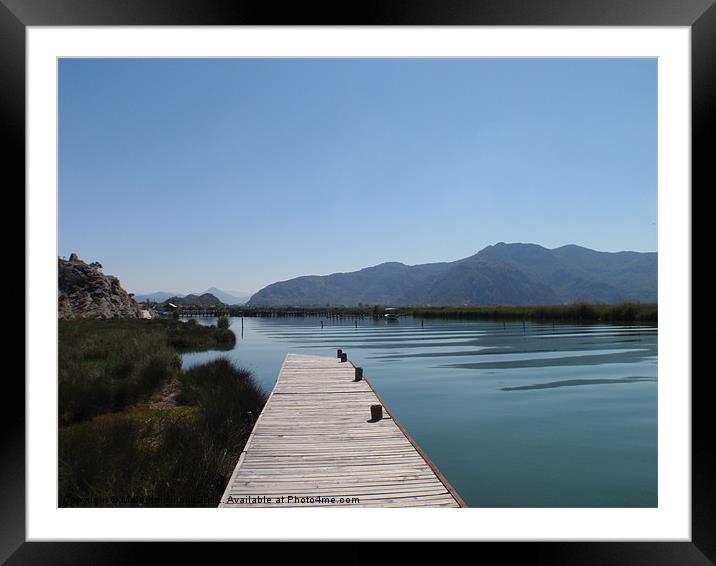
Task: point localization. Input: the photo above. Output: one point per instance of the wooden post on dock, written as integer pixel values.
(339, 353)
(344, 357)
(376, 413)
(359, 374)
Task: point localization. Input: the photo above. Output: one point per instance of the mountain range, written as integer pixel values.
(227, 297)
(503, 273)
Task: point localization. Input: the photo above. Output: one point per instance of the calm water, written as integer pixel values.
(514, 416)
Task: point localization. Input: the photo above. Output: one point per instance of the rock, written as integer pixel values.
(86, 292)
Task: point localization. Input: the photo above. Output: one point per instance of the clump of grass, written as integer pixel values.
(124, 459)
(163, 456)
(223, 322)
(106, 365)
(191, 336)
(225, 393)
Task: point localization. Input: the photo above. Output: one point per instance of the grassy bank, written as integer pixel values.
(137, 430)
(105, 365)
(625, 312)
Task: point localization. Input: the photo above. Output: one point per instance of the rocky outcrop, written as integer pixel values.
(86, 292)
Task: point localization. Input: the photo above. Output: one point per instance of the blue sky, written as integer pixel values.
(181, 174)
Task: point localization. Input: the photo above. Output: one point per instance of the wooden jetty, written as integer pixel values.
(323, 440)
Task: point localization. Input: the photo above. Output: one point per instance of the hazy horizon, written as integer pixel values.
(183, 174)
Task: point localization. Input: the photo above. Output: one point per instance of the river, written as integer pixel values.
(513, 414)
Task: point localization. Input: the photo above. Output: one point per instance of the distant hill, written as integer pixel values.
(158, 297)
(204, 300)
(229, 297)
(85, 292)
(501, 274)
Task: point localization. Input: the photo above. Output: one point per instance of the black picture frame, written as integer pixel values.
(16, 15)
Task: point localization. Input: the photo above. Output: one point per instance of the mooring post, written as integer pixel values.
(344, 357)
(250, 418)
(376, 412)
(339, 353)
(359, 374)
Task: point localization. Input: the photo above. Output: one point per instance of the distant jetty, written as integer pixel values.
(584, 312)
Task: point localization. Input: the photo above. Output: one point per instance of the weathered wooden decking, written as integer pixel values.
(313, 444)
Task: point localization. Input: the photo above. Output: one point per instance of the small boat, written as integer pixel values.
(391, 313)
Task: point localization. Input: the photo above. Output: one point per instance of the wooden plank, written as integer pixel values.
(314, 439)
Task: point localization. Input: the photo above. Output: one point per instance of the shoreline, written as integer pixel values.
(576, 312)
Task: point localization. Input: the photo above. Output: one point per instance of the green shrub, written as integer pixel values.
(225, 393)
(106, 365)
(123, 456)
(156, 454)
(95, 458)
(223, 322)
(147, 455)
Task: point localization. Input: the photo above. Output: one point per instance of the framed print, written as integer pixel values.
(282, 262)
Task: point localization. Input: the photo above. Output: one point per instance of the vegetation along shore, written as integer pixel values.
(576, 312)
(623, 312)
(138, 430)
